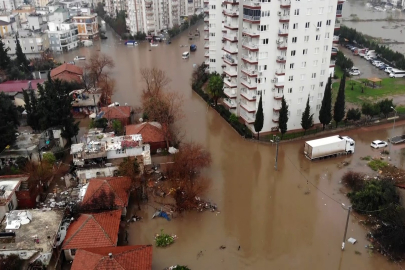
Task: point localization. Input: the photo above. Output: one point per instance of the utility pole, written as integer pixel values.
(349, 209)
(277, 139)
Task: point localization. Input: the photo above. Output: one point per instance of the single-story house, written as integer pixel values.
(85, 102)
(67, 72)
(119, 187)
(92, 230)
(126, 258)
(14, 89)
(151, 134)
(121, 113)
(9, 184)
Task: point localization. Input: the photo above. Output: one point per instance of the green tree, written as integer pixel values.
(233, 118)
(386, 106)
(9, 121)
(117, 126)
(49, 158)
(99, 123)
(339, 109)
(353, 114)
(31, 107)
(21, 59)
(307, 117)
(215, 87)
(4, 58)
(259, 120)
(370, 109)
(283, 117)
(325, 113)
(54, 106)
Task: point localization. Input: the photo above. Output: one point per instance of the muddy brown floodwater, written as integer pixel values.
(279, 220)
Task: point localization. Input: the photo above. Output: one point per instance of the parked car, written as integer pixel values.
(376, 63)
(397, 73)
(388, 70)
(378, 144)
(383, 66)
(354, 71)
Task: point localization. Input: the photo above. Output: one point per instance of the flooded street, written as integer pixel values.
(380, 29)
(286, 219)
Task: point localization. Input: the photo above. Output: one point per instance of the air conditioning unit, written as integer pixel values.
(318, 28)
(279, 13)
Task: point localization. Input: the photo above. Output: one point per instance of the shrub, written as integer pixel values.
(49, 158)
(377, 164)
(233, 118)
(163, 239)
(354, 180)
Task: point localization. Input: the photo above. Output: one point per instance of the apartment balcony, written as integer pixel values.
(283, 32)
(206, 9)
(335, 39)
(206, 2)
(249, 83)
(231, 13)
(333, 53)
(206, 19)
(206, 37)
(231, 2)
(247, 118)
(280, 71)
(251, 46)
(279, 82)
(337, 25)
(206, 28)
(251, 19)
(206, 45)
(282, 46)
(230, 49)
(251, 59)
(341, 1)
(248, 107)
(228, 59)
(231, 72)
(230, 103)
(250, 32)
(231, 26)
(248, 94)
(207, 62)
(278, 96)
(231, 38)
(249, 72)
(230, 83)
(230, 93)
(284, 18)
(277, 108)
(281, 59)
(339, 13)
(252, 4)
(286, 4)
(207, 54)
(275, 118)
(332, 63)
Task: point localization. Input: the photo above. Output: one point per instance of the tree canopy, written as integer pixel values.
(325, 113)
(283, 117)
(370, 109)
(386, 106)
(307, 117)
(21, 59)
(4, 58)
(339, 109)
(353, 114)
(215, 87)
(9, 121)
(259, 120)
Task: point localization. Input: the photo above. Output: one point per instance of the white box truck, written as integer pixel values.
(329, 147)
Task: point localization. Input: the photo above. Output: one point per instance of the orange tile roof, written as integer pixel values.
(93, 230)
(67, 72)
(149, 132)
(116, 112)
(123, 258)
(119, 186)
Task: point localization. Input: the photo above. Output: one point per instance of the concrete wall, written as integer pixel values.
(130, 152)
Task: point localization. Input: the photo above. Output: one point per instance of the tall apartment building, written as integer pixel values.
(33, 43)
(9, 5)
(273, 49)
(63, 37)
(87, 26)
(111, 7)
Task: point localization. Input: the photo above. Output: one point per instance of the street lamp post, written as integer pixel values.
(277, 139)
(349, 209)
(393, 127)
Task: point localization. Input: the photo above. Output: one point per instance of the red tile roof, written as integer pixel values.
(149, 132)
(119, 186)
(17, 86)
(116, 112)
(123, 258)
(93, 230)
(67, 72)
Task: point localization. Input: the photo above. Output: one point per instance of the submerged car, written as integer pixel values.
(378, 144)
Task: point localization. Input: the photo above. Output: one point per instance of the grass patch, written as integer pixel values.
(289, 136)
(377, 164)
(400, 109)
(389, 87)
(338, 72)
(368, 158)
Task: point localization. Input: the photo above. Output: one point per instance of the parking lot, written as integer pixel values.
(367, 70)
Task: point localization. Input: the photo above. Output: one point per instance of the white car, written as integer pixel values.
(354, 72)
(378, 144)
(388, 70)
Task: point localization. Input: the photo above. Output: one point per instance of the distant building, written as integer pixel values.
(60, 15)
(63, 37)
(151, 133)
(87, 172)
(87, 26)
(9, 5)
(15, 89)
(111, 7)
(92, 230)
(85, 102)
(120, 113)
(23, 12)
(9, 184)
(126, 258)
(9, 23)
(32, 43)
(67, 72)
(37, 22)
(33, 234)
(41, 3)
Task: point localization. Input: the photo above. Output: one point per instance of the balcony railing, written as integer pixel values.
(248, 119)
(332, 63)
(206, 45)
(285, 3)
(252, 3)
(275, 118)
(249, 83)
(250, 58)
(281, 59)
(207, 54)
(337, 25)
(206, 28)
(251, 46)
(229, 102)
(335, 38)
(251, 18)
(230, 83)
(339, 13)
(278, 96)
(282, 46)
(230, 72)
(283, 32)
(280, 71)
(250, 72)
(284, 18)
(248, 94)
(207, 62)
(248, 106)
(231, 13)
(231, 25)
(230, 37)
(250, 32)
(229, 92)
(229, 49)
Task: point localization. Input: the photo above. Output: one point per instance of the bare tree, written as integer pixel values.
(155, 81)
(107, 87)
(186, 192)
(97, 65)
(38, 172)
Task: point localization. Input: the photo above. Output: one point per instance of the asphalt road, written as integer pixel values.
(367, 70)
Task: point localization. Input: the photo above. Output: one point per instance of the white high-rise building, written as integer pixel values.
(274, 49)
(152, 16)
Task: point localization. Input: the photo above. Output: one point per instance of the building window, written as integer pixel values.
(321, 84)
(212, 60)
(313, 76)
(299, 112)
(10, 205)
(292, 66)
(295, 26)
(319, 24)
(289, 90)
(263, 27)
(265, 41)
(212, 6)
(326, 35)
(307, 25)
(305, 51)
(301, 89)
(315, 63)
(303, 64)
(328, 22)
(322, 72)
(318, 37)
(299, 100)
(306, 38)
(294, 40)
(318, 107)
(212, 34)
(316, 50)
(320, 96)
(309, 11)
(292, 52)
(296, 12)
(313, 87)
(320, 11)
(302, 77)
(311, 98)
(290, 78)
(330, 9)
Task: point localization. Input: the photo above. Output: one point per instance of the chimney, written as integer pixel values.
(110, 255)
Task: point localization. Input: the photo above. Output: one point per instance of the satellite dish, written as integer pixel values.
(140, 120)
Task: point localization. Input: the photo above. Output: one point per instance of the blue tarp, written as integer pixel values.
(161, 214)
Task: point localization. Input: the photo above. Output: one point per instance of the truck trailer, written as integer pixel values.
(329, 147)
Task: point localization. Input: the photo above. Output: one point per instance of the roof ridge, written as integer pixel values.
(73, 235)
(106, 234)
(118, 107)
(107, 257)
(92, 195)
(115, 192)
